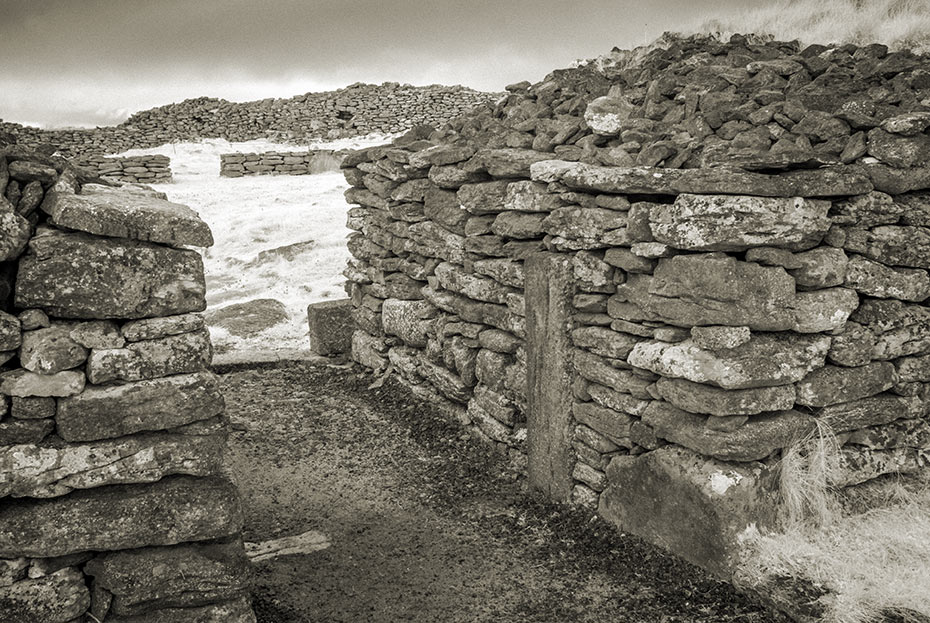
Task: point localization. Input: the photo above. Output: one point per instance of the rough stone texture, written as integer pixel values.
(50, 350)
(171, 511)
(24, 383)
(60, 597)
(10, 332)
(766, 360)
(700, 398)
(689, 504)
(730, 223)
(408, 320)
(155, 328)
(14, 234)
(331, 327)
(875, 279)
(236, 611)
(50, 471)
(127, 215)
(833, 384)
(73, 275)
(117, 410)
(148, 359)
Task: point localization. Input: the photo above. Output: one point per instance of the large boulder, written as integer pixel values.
(75, 275)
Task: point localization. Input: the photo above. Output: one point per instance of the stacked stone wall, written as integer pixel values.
(131, 169)
(113, 502)
(280, 162)
(355, 110)
(741, 232)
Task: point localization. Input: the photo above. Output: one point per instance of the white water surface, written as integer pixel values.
(276, 236)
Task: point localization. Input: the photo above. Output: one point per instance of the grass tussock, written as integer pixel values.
(870, 564)
(900, 24)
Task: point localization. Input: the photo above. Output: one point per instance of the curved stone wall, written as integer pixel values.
(649, 275)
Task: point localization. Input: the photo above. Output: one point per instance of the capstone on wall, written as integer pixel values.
(113, 502)
(741, 231)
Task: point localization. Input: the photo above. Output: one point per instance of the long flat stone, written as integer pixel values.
(49, 471)
(174, 510)
(825, 182)
(77, 275)
(149, 359)
(158, 404)
(127, 215)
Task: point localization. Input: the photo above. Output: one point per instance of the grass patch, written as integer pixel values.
(868, 565)
(900, 24)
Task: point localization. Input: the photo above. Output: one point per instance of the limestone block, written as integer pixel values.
(897, 245)
(331, 326)
(585, 224)
(766, 360)
(616, 400)
(51, 350)
(149, 359)
(823, 267)
(874, 208)
(33, 407)
(10, 332)
(57, 598)
(875, 279)
(155, 328)
(507, 271)
(692, 505)
(180, 576)
(833, 384)
(519, 225)
(736, 223)
(898, 329)
(127, 215)
(173, 510)
(870, 411)
(50, 471)
(719, 338)
(158, 404)
(24, 383)
(457, 279)
(605, 115)
(24, 431)
(706, 399)
(597, 369)
(612, 424)
(483, 198)
(605, 342)
(96, 334)
(408, 320)
(526, 196)
(74, 275)
(14, 232)
(899, 151)
(504, 162)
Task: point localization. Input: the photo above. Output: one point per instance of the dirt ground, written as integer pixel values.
(424, 523)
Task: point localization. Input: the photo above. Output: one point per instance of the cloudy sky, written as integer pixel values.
(92, 62)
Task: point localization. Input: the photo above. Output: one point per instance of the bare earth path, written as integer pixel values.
(407, 519)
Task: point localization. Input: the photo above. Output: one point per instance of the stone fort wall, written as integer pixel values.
(648, 276)
(113, 502)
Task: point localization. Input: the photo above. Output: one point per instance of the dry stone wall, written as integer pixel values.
(698, 253)
(131, 169)
(355, 110)
(280, 162)
(113, 503)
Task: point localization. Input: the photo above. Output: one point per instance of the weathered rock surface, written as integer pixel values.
(767, 359)
(833, 384)
(871, 411)
(171, 511)
(50, 471)
(615, 426)
(11, 335)
(117, 410)
(898, 329)
(155, 328)
(235, 611)
(408, 320)
(14, 234)
(875, 279)
(148, 359)
(732, 223)
(74, 275)
(57, 598)
(23, 383)
(127, 215)
(51, 350)
(700, 398)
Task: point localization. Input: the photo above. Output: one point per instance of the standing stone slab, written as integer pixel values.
(549, 291)
(158, 404)
(149, 359)
(75, 275)
(127, 215)
(171, 511)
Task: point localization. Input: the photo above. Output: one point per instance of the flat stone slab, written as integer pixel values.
(42, 472)
(149, 359)
(174, 510)
(76, 275)
(157, 404)
(128, 215)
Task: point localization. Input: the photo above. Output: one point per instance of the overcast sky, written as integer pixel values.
(93, 62)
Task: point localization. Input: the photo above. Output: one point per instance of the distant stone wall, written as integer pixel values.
(133, 169)
(280, 162)
(113, 502)
(648, 278)
(355, 110)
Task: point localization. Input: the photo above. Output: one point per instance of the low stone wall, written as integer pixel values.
(355, 110)
(651, 338)
(280, 163)
(132, 169)
(114, 504)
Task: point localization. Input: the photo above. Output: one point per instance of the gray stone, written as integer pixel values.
(898, 329)
(875, 208)
(16, 431)
(871, 411)
(51, 471)
(908, 124)
(33, 407)
(628, 261)
(832, 384)
(823, 267)
(330, 327)
(736, 223)
(592, 226)
(767, 359)
(155, 328)
(10, 332)
(878, 280)
(597, 369)
(529, 196)
(74, 275)
(504, 162)
(369, 351)
(483, 198)
(96, 334)
(507, 271)
(899, 151)
(852, 347)
(24, 383)
(173, 510)
(720, 338)
(605, 342)
(457, 279)
(60, 597)
(51, 350)
(706, 399)
(180, 576)
(117, 410)
(520, 225)
(33, 319)
(149, 359)
(897, 245)
(235, 611)
(694, 506)
(759, 437)
(612, 424)
(446, 382)
(127, 215)
(408, 320)
(605, 115)
(615, 400)
(14, 234)
(28, 171)
(913, 369)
